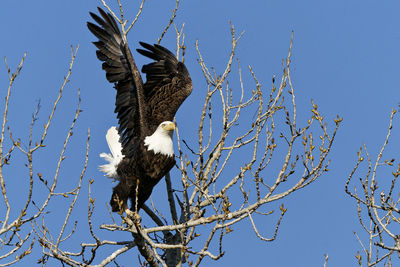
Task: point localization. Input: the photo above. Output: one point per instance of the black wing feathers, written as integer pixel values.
(108, 23)
(115, 56)
(140, 107)
(168, 83)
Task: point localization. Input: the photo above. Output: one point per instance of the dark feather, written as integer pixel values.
(116, 57)
(168, 83)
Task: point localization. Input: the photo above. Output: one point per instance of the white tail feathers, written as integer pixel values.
(115, 157)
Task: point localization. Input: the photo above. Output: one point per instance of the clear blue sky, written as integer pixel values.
(345, 57)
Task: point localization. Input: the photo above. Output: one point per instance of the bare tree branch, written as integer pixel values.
(377, 209)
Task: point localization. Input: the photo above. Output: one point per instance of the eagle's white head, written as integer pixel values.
(161, 140)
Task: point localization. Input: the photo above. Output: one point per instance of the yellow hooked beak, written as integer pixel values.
(169, 126)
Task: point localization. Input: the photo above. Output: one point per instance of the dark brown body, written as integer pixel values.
(130, 171)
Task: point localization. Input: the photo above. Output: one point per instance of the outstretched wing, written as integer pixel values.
(168, 83)
(122, 71)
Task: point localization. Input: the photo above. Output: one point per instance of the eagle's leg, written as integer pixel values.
(119, 197)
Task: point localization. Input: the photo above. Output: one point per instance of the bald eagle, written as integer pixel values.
(141, 147)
